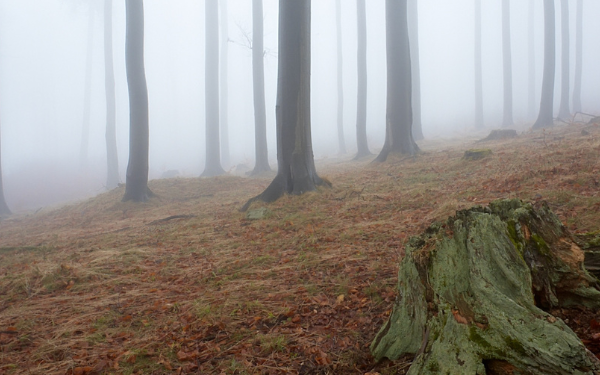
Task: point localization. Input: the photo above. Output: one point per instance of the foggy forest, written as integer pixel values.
(299, 187)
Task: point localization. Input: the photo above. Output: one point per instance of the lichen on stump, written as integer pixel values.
(471, 292)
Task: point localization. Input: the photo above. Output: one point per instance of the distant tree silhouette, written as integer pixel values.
(340, 80)
(4, 210)
(531, 59)
(479, 124)
(578, 57)
(258, 78)
(413, 32)
(87, 93)
(507, 119)
(136, 188)
(112, 160)
(296, 173)
(398, 135)
(211, 90)
(224, 83)
(545, 118)
(565, 93)
(361, 104)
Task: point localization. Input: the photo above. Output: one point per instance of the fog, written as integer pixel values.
(42, 72)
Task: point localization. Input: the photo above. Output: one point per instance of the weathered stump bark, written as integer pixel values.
(471, 289)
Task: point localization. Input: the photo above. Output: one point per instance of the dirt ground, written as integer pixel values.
(187, 284)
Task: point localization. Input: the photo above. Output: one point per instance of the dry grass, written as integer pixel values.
(110, 287)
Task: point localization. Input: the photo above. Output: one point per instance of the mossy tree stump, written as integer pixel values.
(471, 289)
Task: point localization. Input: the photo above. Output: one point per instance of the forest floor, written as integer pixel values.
(187, 284)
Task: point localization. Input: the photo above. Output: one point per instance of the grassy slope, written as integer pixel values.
(102, 285)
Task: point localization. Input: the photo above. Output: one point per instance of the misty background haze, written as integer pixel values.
(42, 72)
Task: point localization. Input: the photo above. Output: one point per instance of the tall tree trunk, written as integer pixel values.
(224, 85)
(578, 58)
(565, 93)
(479, 123)
(545, 118)
(507, 120)
(211, 90)
(87, 94)
(399, 117)
(340, 79)
(258, 76)
(4, 210)
(136, 188)
(531, 59)
(413, 33)
(112, 160)
(296, 173)
(361, 104)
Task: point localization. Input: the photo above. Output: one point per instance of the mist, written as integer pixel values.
(42, 76)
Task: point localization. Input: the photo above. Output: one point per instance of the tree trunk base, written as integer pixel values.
(471, 289)
(138, 198)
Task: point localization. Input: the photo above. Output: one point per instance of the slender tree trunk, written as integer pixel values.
(340, 77)
(87, 95)
(213, 152)
(398, 135)
(224, 85)
(258, 75)
(545, 118)
(507, 120)
(413, 33)
(136, 188)
(578, 58)
(4, 210)
(531, 59)
(361, 104)
(296, 173)
(112, 160)
(564, 112)
(479, 123)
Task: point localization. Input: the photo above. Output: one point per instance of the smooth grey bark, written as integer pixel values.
(112, 160)
(224, 84)
(296, 173)
(564, 111)
(507, 119)
(361, 104)
(87, 93)
(258, 78)
(211, 90)
(531, 59)
(4, 210)
(399, 117)
(340, 77)
(413, 34)
(479, 122)
(545, 114)
(136, 183)
(471, 292)
(578, 57)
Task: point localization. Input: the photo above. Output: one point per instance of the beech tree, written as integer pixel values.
(4, 210)
(296, 172)
(545, 118)
(578, 57)
(563, 111)
(112, 160)
(361, 104)
(478, 69)
(340, 76)
(413, 32)
(258, 78)
(224, 83)
(136, 188)
(531, 59)
(507, 119)
(211, 90)
(399, 117)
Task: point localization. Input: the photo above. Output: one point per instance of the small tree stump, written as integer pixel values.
(477, 154)
(471, 289)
